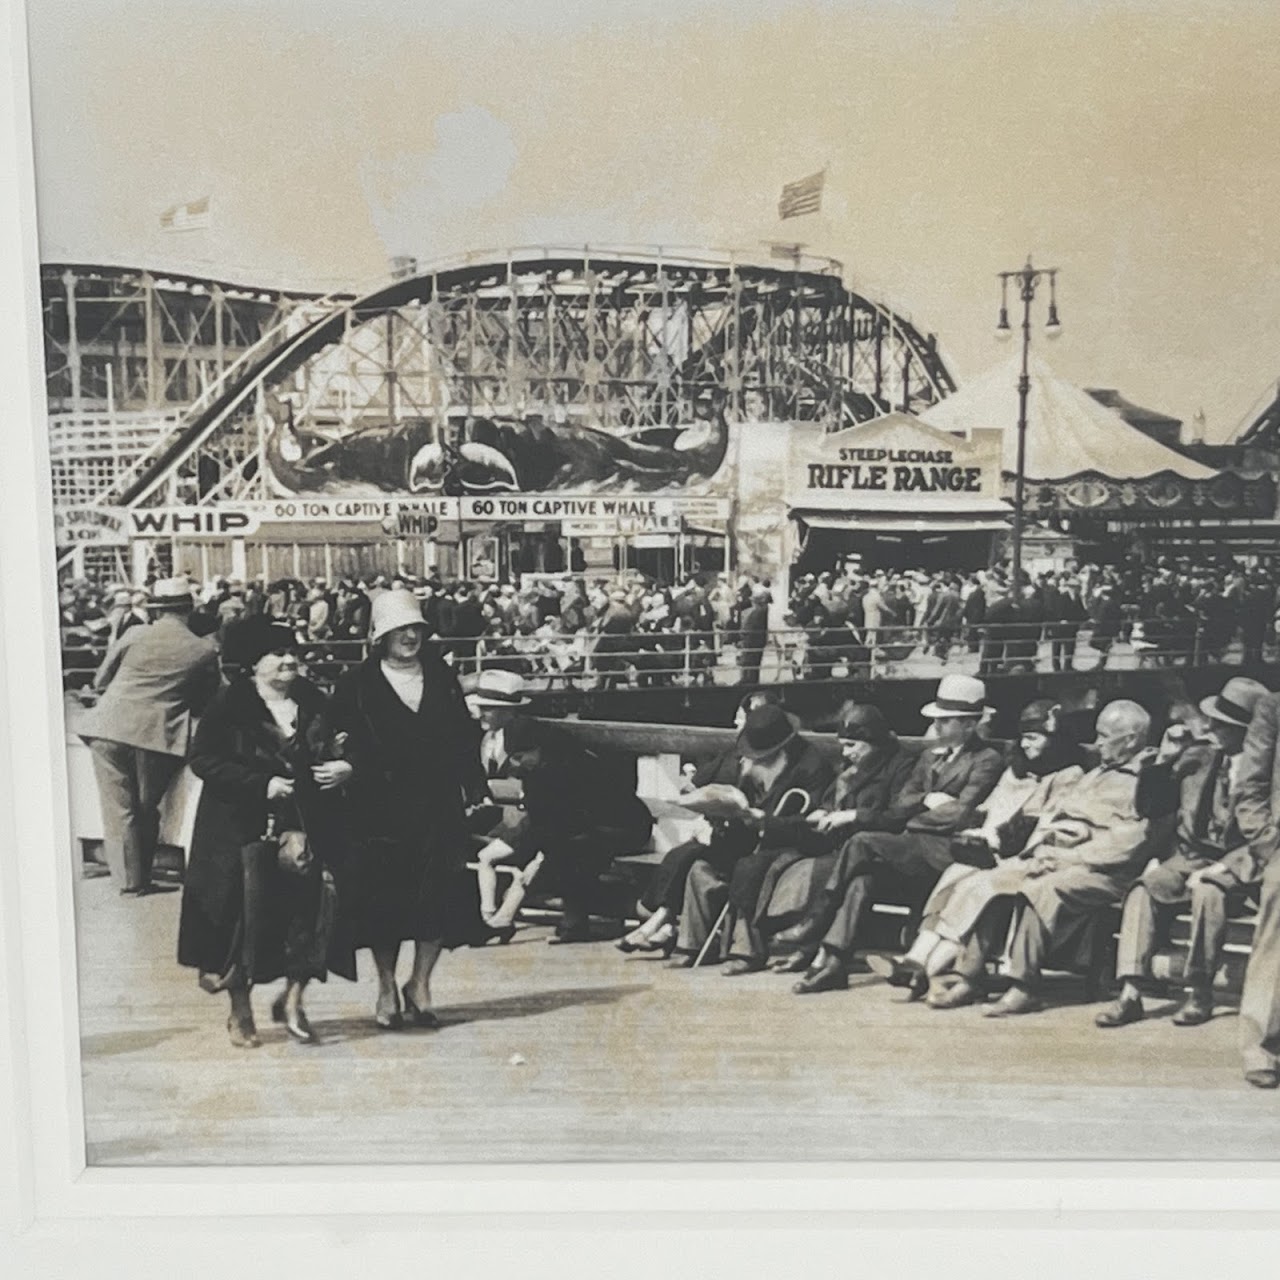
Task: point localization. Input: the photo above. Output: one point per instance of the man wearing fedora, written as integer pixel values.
(779, 771)
(910, 844)
(874, 767)
(153, 681)
(1257, 814)
(1210, 866)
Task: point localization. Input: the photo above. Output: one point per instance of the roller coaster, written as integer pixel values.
(628, 341)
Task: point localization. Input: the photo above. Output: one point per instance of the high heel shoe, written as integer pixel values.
(393, 1021)
(299, 1028)
(419, 1017)
(627, 944)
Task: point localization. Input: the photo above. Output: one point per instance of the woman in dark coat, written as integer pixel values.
(265, 750)
(416, 753)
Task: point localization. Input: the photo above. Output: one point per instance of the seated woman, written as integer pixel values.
(255, 909)
(1042, 757)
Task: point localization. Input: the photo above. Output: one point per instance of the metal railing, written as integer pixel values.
(641, 659)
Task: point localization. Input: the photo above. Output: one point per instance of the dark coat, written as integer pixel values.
(969, 778)
(236, 752)
(414, 775)
(574, 792)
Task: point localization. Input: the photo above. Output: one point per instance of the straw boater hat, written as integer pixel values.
(391, 610)
(957, 696)
(499, 689)
(1236, 703)
(170, 593)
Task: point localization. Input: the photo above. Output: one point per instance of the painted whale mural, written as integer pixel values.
(495, 456)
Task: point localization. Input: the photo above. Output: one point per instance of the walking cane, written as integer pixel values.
(724, 911)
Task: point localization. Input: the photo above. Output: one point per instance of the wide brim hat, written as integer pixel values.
(498, 689)
(170, 593)
(957, 696)
(393, 610)
(248, 641)
(767, 729)
(1236, 703)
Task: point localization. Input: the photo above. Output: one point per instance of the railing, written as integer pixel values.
(642, 660)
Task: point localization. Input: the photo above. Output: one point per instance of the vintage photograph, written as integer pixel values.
(669, 581)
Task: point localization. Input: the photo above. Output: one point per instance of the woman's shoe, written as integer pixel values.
(629, 943)
(299, 1028)
(418, 1017)
(244, 1035)
(277, 1008)
(388, 1021)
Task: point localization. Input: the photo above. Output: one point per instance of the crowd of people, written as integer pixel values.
(707, 628)
(406, 806)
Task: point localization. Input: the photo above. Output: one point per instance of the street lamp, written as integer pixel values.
(1026, 281)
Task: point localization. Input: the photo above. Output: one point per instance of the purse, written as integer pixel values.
(293, 849)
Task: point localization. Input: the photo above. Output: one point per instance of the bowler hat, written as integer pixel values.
(1236, 703)
(391, 610)
(767, 729)
(862, 723)
(957, 696)
(248, 641)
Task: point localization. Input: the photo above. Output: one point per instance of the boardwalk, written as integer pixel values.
(623, 1059)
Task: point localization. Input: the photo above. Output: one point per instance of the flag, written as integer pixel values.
(192, 216)
(791, 252)
(805, 196)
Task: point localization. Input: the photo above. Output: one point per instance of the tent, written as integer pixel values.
(1068, 432)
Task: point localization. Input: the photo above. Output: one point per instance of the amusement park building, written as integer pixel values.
(523, 410)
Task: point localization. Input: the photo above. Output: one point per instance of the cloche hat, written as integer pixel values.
(391, 610)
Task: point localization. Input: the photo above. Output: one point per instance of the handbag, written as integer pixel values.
(293, 849)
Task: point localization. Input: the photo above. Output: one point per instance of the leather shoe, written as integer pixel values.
(1263, 1077)
(300, 1029)
(572, 933)
(244, 1035)
(953, 992)
(736, 968)
(898, 971)
(797, 962)
(684, 960)
(1015, 1001)
(1120, 1014)
(1196, 1010)
(417, 1017)
(828, 976)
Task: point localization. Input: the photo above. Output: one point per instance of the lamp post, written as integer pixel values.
(1026, 280)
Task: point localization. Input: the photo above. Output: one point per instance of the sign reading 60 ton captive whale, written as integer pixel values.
(892, 462)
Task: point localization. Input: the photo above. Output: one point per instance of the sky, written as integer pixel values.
(1130, 143)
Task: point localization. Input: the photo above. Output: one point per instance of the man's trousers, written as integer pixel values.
(131, 786)
(1260, 1000)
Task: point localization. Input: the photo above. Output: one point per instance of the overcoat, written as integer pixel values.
(415, 773)
(237, 750)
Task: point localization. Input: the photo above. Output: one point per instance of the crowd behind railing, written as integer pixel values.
(571, 631)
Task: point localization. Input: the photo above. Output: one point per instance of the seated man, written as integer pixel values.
(1042, 760)
(664, 894)
(580, 812)
(875, 768)
(780, 771)
(909, 844)
(1086, 850)
(1210, 868)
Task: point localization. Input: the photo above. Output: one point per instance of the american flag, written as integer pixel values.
(804, 196)
(192, 216)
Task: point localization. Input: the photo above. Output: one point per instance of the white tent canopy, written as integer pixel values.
(1068, 432)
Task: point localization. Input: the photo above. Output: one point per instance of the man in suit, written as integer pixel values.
(908, 846)
(580, 812)
(874, 769)
(1257, 814)
(778, 768)
(753, 635)
(1210, 867)
(152, 682)
(942, 622)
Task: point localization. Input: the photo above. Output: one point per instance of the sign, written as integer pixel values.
(892, 463)
(407, 517)
(93, 526)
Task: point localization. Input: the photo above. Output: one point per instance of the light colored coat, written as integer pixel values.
(153, 681)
